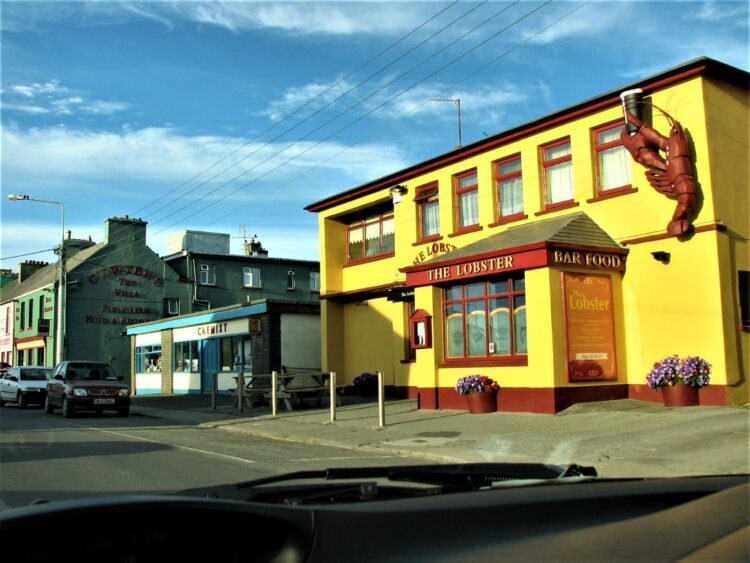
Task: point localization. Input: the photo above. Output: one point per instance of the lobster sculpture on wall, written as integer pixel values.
(671, 175)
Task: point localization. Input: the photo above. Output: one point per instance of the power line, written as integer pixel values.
(27, 254)
(295, 111)
(318, 111)
(340, 114)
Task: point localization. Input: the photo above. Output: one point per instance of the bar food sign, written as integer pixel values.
(589, 327)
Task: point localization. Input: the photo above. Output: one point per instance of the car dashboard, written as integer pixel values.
(690, 518)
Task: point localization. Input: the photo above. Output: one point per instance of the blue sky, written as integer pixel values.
(178, 112)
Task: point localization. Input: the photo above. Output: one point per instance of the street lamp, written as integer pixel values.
(61, 281)
(457, 101)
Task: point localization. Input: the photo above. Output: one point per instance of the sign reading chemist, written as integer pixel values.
(216, 330)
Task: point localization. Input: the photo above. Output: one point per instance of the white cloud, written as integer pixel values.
(53, 98)
(594, 19)
(732, 12)
(61, 155)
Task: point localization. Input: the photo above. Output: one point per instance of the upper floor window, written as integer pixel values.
(611, 158)
(558, 172)
(467, 200)
(428, 210)
(31, 313)
(208, 275)
(370, 237)
(509, 187)
(314, 281)
(23, 316)
(171, 306)
(290, 280)
(251, 277)
(485, 319)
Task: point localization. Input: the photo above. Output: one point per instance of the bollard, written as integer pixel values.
(381, 399)
(241, 390)
(214, 379)
(332, 384)
(274, 386)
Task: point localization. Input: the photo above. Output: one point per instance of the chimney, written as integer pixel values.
(28, 268)
(255, 248)
(124, 230)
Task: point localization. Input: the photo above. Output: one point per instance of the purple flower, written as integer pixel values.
(475, 384)
(693, 371)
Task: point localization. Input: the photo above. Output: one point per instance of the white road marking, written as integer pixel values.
(187, 448)
(338, 458)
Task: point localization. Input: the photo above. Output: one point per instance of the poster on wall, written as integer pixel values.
(589, 327)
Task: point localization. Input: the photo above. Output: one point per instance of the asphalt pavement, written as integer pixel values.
(624, 438)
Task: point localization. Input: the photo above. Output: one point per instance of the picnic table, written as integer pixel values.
(289, 386)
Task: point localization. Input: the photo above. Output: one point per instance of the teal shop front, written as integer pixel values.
(180, 355)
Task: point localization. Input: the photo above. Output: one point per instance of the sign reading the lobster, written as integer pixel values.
(671, 175)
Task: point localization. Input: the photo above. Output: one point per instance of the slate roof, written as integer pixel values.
(47, 275)
(575, 228)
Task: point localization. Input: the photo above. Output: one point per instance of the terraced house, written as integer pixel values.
(544, 257)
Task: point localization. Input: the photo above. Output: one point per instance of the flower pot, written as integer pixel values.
(481, 403)
(680, 396)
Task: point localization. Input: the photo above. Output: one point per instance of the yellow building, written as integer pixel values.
(540, 257)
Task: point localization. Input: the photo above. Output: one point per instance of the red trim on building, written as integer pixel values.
(433, 238)
(609, 194)
(508, 219)
(552, 207)
(713, 395)
(41, 339)
(610, 99)
(464, 230)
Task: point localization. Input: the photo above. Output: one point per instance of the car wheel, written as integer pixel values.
(66, 408)
(21, 401)
(48, 408)
(123, 412)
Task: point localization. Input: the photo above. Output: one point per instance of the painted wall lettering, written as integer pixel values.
(433, 250)
(587, 259)
(122, 269)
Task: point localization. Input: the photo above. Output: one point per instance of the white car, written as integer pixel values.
(25, 385)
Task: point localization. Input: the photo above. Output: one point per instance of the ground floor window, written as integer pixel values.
(40, 356)
(485, 319)
(148, 359)
(186, 356)
(236, 353)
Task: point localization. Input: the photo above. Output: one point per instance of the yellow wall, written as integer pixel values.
(683, 308)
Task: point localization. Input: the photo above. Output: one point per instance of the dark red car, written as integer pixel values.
(82, 385)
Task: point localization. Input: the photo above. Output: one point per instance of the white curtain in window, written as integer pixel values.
(614, 168)
(559, 182)
(469, 209)
(372, 239)
(430, 219)
(511, 197)
(388, 243)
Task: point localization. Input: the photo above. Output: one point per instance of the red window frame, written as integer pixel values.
(546, 164)
(362, 224)
(423, 197)
(598, 148)
(499, 179)
(458, 192)
(510, 359)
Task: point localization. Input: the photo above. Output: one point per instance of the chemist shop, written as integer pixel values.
(179, 355)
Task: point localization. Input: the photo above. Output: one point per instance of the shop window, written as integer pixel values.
(40, 356)
(509, 185)
(467, 200)
(171, 306)
(372, 237)
(236, 353)
(557, 170)
(186, 357)
(612, 160)
(208, 275)
(148, 359)
(315, 281)
(251, 277)
(485, 320)
(291, 283)
(744, 289)
(428, 212)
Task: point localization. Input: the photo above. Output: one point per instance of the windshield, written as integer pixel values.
(231, 228)
(37, 374)
(93, 372)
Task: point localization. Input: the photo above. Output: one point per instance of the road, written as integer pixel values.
(55, 458)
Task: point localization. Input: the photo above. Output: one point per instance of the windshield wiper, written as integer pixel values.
(351, 484)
